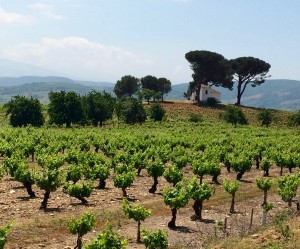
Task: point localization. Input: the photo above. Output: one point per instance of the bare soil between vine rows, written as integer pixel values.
(34, 228)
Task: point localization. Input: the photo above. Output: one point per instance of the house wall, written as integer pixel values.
(207, 92)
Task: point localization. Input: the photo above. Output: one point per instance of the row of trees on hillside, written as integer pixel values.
(145, 88)
(67, 108)
(210, 68)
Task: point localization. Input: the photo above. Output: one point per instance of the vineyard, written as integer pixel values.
(201, 183)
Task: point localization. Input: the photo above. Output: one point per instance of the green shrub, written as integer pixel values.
(195, 117)
(107, 239)
(266, 117)
(155, 240)
(4, 231)
(212, 102)
(294, 119)
(234, 115)
(156, 112)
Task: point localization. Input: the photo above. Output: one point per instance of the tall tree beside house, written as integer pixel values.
(209, 68)
(99, 107)
(65, 108)
(126, 86)
(248, 71)
(24, 111)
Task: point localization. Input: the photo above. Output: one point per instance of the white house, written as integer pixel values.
(205, 93)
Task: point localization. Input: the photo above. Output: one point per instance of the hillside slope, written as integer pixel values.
(276, 94)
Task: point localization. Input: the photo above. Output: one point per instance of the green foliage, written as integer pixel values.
(24, 111)
(234, 115)
(150, 82)
(65, 108)
(127, 86)
(131, 111)
(83, 225)
(74, 173)
(231, 187)
(248, 70)
(79, 190)
(99, 107)
(155, 168)
(107, 239)
(123, 177)
(156, 112)
(199, 192)
(212, 102)
(208, 68)
(195, 118)
(11, 164)
(1, 172)
(155, 240)
(294, 119)
(136, 212)
(241, 163)
(265, 164)
(164, 86)
(265, 116)
(268, 206)
(173, 174)
(287, 187)
(264, 183)
(176, 197)
(146, 94)
(49, 179)
(4, 231)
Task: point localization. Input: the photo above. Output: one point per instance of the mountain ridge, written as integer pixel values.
(281, 94)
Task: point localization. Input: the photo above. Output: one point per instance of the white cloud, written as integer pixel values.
(79, 57)
(46, 10)
(14, 18)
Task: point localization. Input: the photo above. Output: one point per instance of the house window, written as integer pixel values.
(206, 92)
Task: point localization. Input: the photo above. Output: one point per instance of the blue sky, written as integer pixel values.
(103, 40)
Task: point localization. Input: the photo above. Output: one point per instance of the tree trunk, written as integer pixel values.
(266, 172)
(138, 240)
(290, 202)
(101, 123)
(265, 197)
(139, 171)
(172, 223)
(215, 179)
(240, 175)
(124, 192)
(239, 95)
(228, 169)
(79, 242)
(82, 199)
(232, 204)
(45, 200)
(281, 170)
(198, 210)
(201, 179)
(154, 186)
(28, 186)
(257, 163)
(102, 184)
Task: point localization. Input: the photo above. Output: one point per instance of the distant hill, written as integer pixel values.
(39, 87)
(276, 94)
